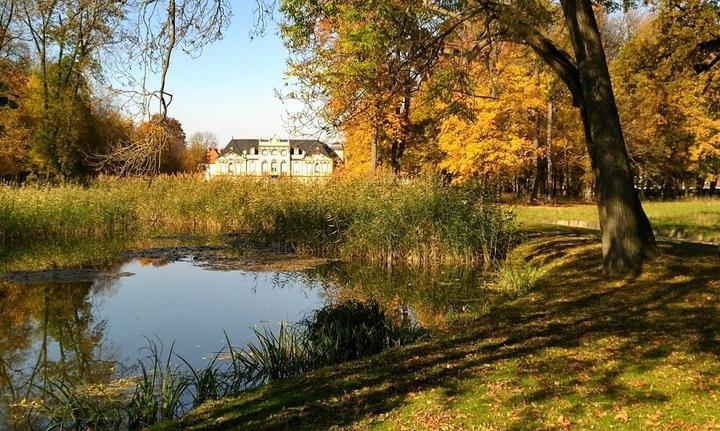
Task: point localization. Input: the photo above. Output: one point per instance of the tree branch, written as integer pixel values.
(518, 30)
(708, 47)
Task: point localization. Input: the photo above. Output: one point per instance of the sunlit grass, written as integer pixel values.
(697, 219)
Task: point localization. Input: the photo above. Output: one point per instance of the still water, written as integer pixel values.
(192, 306)
(91, 323)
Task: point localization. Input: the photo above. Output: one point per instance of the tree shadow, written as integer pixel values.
(575, 340)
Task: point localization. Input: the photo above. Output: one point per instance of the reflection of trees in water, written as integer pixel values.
(428, 295)
(42, 255)
(281, 280)
(47, 334)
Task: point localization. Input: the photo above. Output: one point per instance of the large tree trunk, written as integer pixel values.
(627, 237)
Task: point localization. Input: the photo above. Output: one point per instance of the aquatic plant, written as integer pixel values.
(420, 222)
(351, 330)
(159, 391)
(68, 408)
(274, 356)
(204, 384)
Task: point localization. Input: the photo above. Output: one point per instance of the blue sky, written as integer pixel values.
(230, 89)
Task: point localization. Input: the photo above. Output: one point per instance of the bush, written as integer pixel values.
(516, 277)
(352, 330)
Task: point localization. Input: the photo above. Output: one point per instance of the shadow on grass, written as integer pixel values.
(612, 328)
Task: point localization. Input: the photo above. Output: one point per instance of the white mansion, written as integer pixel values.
(275, 157)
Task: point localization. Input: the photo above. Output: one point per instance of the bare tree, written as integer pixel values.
(158, 29)
(205, 139)
(7, 12)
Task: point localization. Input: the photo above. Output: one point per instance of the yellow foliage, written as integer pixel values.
(497, 140)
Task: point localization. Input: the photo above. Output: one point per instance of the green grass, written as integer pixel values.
(378, 220)
(578, 351)
(696, 219)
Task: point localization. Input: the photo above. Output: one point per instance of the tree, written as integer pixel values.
(156, 146)
(196, 153)
(160, 28)
(15, 124)
(67, 50)
(627, 236)
(358, 68)
(66, 37)
(671, 115)
(497, 137)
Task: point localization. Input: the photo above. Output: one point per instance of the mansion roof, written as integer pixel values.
(309, 146)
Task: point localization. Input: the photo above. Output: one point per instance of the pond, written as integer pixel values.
(80, 314)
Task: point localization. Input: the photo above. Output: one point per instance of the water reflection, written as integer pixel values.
(432, 296)
(48, 334)
(91, 331)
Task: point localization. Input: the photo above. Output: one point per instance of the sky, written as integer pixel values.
(230, 89)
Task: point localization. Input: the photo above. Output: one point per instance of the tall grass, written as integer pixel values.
(352, 330)
(380, 219)
(275, 356)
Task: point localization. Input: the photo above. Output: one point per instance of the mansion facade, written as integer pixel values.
(274, 157)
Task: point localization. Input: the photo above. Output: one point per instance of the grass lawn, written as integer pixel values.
(697, 219)
(578, 352)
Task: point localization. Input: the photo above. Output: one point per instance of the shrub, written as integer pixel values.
(351, 330)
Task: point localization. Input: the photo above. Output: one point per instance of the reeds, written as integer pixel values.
(516, 277)
(382, 220)
(352, 330)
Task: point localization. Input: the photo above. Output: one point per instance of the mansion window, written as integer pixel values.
(264, 152)
(317, 168)
(274, 167)
(264, 166)
(251, 167)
